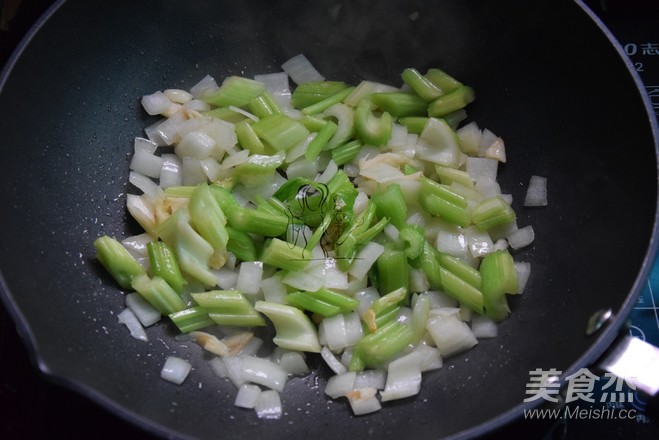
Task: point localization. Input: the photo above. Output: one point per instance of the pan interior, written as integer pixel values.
(566, 106)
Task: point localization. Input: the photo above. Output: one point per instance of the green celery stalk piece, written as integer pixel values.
(450, 102)
(310, 93)
(461, 269)
(193, 251)
(159, 294)
(247, 138)
(319, 142)
(393, 270)
(449, 175)
(445, 209)
(498, 277)
(393, 298)
(429, 264)
(226, 114)
(208, 219)
(371, 129)
(294, 330)
(258, 169)
(461, 290)
(400, 104)
(164, 265)
(280, 131)
(263, 105)
(421, 85)
(376, 348)
(116, 259)
(315, 305)
(229, 307)
(391, 204)
(328, 102)
(420, 314)
(413, 238)
(191, 319)
(492, 212)
(414, 124)
(241, 245)
(283, 255)
(442, 80)
(237, 91)
(345, 153)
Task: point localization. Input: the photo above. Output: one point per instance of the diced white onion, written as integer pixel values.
(340, 384)
(302, 168)
(484, 327)
(236, 159)
(146, 163)
(156, 103)
(363, 401)
(175, 370)
(263, 372)
(371, 379)
(366, 297)
(247, 396)
(150, 189)
(403, 377)
(204, 87)
(226, 278)
(303, 281)
(301, 71)
(170, 174)
(192, 172)
(521, 237)
(432, 358)
(523, 270)
(268, 405)
(252, 347)
(178, 96)
(470, 137)
(294, 364)
(197, 105)
(218, 367)
(536, 193)
(249, 277)
(418, 281)
(234, 370)
(365, 259)
(481, 168)
(144, 144)
(334, 329)
(449, 334)
(454, 243)
(197, 144)
(480, 243)
(128, 318)
(146, 314)
(332, 362)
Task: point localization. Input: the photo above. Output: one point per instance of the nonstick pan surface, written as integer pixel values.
(548, 80)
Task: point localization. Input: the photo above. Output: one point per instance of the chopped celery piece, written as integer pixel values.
(280, 131)
(263, 105)
(345, 153)
(159, 294)
(283, 255)
(498, 277)
(429, 264)
(421, 85)
(414, 124)
(448, 175)
(429, 186)
(455, 100)
(371, 129)
(461, 290)
(445, 209)
(247, 138)
(319, 142)
(326, 103)
(116, 259)
(229, 307)
(310, 93)
(391, 204)
(209, 221)
(258, 169)
(392, 298)
(420, 314)
(460, 269)
(179, 191)
(307, 302)
(400, 104)
(294, 330)
(345, 303)
(413, 238)
(313, 123)
(191, 319)
(453, 119)
(241, 245)
(442, 80)
(192, 251)
(376, 348)
(164, 265)
(235, 90)
(393, 270)
(492, 212)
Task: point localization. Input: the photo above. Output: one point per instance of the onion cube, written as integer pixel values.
(175, 370)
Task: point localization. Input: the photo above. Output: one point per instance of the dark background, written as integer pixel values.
(31, 406)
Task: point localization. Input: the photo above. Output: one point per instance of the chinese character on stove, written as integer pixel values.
(543, 385)
(581, 385)
(618, 394)
(649, 49)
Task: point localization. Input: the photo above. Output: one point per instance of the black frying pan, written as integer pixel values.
(547, 79)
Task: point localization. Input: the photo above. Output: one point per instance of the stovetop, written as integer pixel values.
(35, 407)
